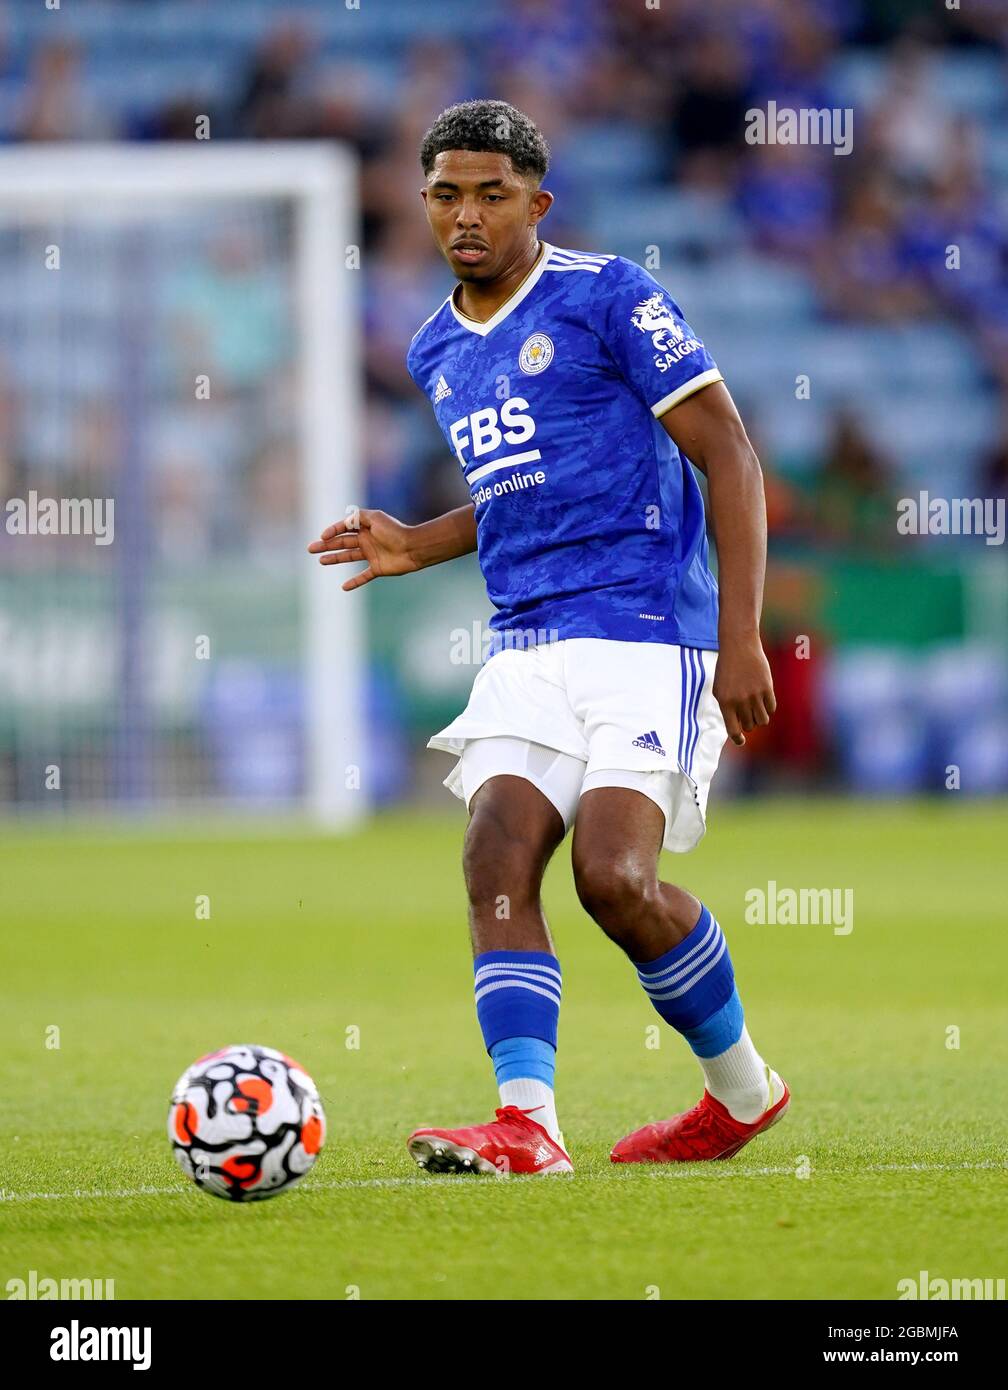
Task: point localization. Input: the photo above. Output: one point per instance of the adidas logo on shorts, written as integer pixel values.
(650, 741)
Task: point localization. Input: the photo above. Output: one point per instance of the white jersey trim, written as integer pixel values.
(579, 260)
(581, 265)
(508, 307)
(695, 383)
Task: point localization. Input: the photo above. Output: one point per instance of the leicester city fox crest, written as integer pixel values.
(536, 354)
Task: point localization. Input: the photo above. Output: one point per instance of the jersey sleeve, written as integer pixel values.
(419, 354)
(413, 363)
(653, 346)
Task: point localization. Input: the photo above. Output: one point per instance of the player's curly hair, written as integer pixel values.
(496, 126)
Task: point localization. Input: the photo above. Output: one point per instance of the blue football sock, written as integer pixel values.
(693, 988)
(518, 1006)
(531, 1058)
(517, 995)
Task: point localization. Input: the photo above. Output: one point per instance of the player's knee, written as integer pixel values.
(615, 892)
(501, 860)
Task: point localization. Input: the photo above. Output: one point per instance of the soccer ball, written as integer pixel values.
(246, 1123)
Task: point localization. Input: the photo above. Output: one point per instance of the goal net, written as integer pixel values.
(179, 400)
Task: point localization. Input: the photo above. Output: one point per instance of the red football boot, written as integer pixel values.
(513, 1143)
(707, 1131)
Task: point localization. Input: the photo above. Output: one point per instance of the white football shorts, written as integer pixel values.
(587, 712)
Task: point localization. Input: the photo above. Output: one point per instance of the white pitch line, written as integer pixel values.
(660, 1173)
(89, 1196)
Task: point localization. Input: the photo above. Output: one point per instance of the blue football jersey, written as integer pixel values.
(589, 521)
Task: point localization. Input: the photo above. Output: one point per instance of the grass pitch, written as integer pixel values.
(891, 1160)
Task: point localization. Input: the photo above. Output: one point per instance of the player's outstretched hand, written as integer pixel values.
(743, 687)
(370, 536)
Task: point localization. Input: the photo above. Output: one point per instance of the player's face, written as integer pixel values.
(481, 212)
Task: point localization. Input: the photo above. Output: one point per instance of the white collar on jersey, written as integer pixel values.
(526, 287)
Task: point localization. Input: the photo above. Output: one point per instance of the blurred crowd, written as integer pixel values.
(635, 101)
(869, 230)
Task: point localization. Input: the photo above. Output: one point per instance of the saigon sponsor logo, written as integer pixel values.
(654, 315)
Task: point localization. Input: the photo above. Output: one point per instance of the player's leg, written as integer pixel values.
(512, 833)
(655, 732)
(522, 798)
(683, 963)
(513, 830)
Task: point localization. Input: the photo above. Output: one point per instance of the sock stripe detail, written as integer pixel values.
(694, 981)
(484, 990)
(543, 973)
(517, 996)
(683, 964)
(694, 977)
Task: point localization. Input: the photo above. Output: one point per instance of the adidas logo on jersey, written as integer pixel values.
(441, 390)
(650, 741)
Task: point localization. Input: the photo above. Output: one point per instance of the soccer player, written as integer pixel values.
(575, 397)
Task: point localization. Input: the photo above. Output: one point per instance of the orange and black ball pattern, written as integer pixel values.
(246, 1123)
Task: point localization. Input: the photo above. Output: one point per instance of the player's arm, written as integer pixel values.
(389, 547)
(706, 428)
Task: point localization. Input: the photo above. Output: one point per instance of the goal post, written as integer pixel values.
(175, 317)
